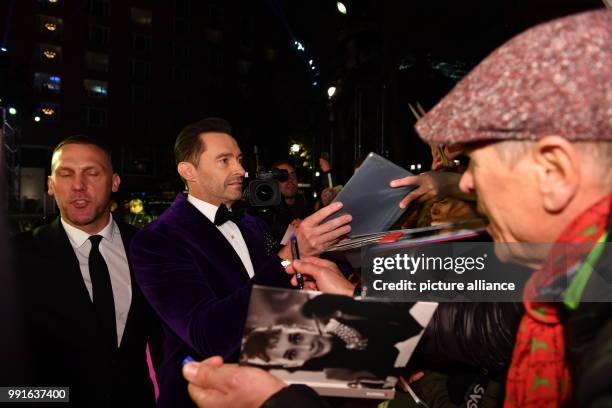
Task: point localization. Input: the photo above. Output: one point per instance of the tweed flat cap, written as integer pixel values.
(555, 78)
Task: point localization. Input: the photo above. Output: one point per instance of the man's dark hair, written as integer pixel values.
(84, 140)
(258, 342)
(189, 145)
(281, 162)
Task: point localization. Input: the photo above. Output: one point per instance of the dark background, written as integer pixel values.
(134, 72)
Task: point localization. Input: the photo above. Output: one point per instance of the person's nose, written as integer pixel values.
(304, 346)
(78, 183)
(466, 184)
(238, 169)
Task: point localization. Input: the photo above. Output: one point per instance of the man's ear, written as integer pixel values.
(50, 186)
(116, 180)
(557, 172)
(186, 170)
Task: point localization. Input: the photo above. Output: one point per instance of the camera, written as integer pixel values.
(262, 187)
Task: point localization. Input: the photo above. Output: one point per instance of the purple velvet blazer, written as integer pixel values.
(198, 286)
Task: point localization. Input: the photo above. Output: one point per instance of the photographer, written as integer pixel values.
(294, 206)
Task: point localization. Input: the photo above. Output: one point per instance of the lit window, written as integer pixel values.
(96, 89)
(48, 112)
(142, 16)
(50, 26)
(50, 53)
(47, 82)
(96, 61)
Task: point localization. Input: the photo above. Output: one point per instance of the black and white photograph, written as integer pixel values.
(340, 345)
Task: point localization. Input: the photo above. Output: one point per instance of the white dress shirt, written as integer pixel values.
(113, 252)
(230, 231)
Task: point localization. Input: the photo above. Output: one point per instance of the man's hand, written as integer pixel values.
(325, 274)
(432, 184)
(214, 384)
(314, 236)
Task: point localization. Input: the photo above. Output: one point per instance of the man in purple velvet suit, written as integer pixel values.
(196, 264)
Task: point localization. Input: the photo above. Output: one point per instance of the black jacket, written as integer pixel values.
(476, 335)
(61, 323)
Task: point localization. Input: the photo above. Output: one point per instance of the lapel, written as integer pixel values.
(54, 244)
(127, 233)
(211, 241)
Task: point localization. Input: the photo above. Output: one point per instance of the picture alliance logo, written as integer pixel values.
(411, 264)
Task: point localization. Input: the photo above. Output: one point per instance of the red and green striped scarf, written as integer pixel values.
(539, 375)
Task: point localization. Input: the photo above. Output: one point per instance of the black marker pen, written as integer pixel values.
(296, 255)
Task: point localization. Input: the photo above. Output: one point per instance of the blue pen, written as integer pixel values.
(296, 255)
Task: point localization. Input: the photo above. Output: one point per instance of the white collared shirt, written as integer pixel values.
(113, 252)
(230, 231)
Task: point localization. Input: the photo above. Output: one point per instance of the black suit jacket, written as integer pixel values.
(66, 339)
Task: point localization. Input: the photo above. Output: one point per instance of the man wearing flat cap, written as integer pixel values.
(535, 117)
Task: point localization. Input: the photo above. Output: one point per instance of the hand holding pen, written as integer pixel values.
(322, 275)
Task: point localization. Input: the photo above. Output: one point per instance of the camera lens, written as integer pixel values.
(264, 192)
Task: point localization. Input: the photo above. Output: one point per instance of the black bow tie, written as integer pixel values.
(223, 215)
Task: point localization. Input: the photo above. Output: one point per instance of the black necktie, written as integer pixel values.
(223, 215)
(103, 300)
